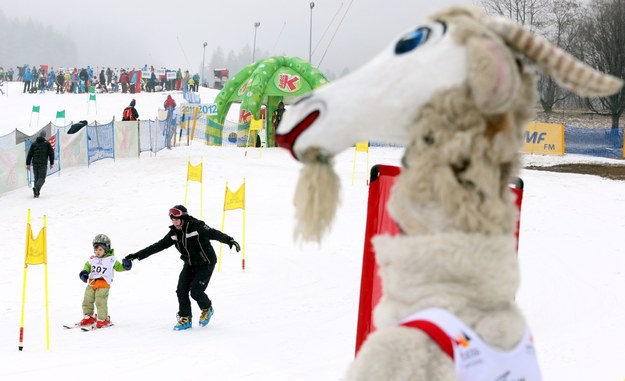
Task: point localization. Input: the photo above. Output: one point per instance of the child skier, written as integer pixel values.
(98, 273)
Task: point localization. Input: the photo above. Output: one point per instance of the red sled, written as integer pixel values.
(379, 221)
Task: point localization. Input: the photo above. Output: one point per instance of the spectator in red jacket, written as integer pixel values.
(123, 79)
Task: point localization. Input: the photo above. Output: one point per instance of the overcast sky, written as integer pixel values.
(165, 33)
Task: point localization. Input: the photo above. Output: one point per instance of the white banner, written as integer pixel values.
(12, 168)
(73, 148)
(126, 139)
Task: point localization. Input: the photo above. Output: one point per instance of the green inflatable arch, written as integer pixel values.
(267, 82)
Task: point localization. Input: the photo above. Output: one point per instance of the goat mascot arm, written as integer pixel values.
(461, 99)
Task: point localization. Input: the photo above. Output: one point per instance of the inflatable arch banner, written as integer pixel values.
(266, 82)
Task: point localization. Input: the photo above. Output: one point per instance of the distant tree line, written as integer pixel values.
(593, 32)
(29, 42)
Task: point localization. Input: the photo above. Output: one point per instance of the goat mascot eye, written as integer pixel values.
(412, 40)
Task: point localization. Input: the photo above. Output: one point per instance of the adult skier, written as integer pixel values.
(192, 239)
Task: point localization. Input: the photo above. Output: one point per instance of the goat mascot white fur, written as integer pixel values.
(458, 97)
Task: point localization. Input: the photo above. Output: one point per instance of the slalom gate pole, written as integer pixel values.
(186, 187)
(202, 188)
(367, 167)
(247, 142)
(354, 166)
(223, 224)
(195, 114)
(45, 280)
(243, 248)
(168, 127)
(21, 341)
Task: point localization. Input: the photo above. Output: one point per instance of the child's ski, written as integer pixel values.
(71, 326)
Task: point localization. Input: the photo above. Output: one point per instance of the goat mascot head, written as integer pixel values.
(455, 92)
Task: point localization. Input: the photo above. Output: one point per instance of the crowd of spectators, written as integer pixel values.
(100, 80)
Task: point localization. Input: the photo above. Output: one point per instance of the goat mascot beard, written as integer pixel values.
(454, 91)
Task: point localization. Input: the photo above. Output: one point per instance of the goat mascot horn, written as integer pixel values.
(565, 69)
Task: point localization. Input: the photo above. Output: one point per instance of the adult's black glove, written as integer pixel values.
(234, 243)
(126, 264)
(131, 257)
(84, 275)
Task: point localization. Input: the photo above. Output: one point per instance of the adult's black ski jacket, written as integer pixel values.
(192, 241)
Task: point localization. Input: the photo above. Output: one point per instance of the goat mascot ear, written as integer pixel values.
(493, 75)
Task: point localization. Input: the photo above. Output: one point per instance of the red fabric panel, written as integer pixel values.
(378, 221)
(518, 192)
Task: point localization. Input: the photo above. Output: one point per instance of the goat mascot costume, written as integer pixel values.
(462, 96)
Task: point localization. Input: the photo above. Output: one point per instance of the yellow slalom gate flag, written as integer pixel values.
(362, 146)
(36, 247)
(194, 172)
(256, 124)
(235, 200)
(35, 254)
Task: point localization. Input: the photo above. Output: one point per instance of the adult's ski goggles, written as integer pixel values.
(176, 213)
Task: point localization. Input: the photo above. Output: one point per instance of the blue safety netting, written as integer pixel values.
(100, 142)
(600, 142)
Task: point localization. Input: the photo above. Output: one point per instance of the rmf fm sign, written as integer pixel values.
(544, 138)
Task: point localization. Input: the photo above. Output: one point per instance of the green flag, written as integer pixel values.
(60, 114)
(92, 97)
(35, 108)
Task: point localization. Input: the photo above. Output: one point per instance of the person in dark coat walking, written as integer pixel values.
(39, 153)
(192, 239)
